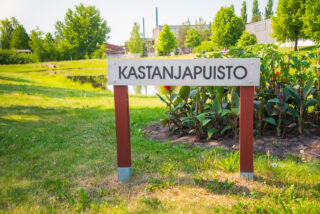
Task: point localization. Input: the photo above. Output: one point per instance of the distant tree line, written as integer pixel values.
(82, 34)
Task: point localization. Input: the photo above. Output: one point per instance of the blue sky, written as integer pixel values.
(120, 14)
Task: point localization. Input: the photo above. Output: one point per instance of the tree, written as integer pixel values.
(20, 38)
(312, 21)
(200, 23)
(44, 49)
(244, 15)
(193, 38)
(6, 30)
(268, 10)
(288, 24)
(65, 50)
(205, 35)
(144, 49)
(247, 39)
(101, 52)
(58, 34)
(36, 44)
(226, 28)
(256, 14)
(135, 43)
(85, 29)
(166, 41)
(232, 7)
(14, 22)
(49, 46)
(182, 33)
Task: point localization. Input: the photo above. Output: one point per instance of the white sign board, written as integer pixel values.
(191, 72)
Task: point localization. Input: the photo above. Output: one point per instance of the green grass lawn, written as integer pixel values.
(302, 49)
(58, 154)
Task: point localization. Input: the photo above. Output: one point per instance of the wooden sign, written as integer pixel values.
(191, 72)
(244, 72)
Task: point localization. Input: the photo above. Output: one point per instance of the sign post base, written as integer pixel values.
(247, 175)
(121, 102)
(246, 131)
(124, 173)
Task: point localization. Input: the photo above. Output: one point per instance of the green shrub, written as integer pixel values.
(287, 100)
(11, 57)
(247, 39)
(205, 46)
(100, 53)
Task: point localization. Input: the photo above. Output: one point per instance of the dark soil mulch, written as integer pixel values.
(309, 145)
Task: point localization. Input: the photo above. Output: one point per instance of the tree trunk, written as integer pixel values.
(301, 119)
(296, 45)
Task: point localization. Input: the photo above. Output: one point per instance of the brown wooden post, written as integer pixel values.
(246, 131)
(121, 103)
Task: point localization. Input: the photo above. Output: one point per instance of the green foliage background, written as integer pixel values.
(166, 41)
(226, 28)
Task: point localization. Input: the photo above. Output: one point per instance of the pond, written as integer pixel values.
(100, 81)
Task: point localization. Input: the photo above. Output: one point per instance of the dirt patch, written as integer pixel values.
(308, 145)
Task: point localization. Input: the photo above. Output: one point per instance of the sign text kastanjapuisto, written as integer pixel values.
(222, 72)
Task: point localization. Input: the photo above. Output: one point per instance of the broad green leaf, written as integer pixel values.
(224, 112)
(185, 92)
(180, 105)
(211, 131)
(293, 112)
(307, 89)
(205, 122)
(219, 92)
(235, 99)
(294, 94)
(193, 92)
(225, 129)
(274, 100)
(174, 96)
(270, 120)
(216, 105)
(235, 111)
(201, 118)
(186, 119)
(310, 102)
(163, 100)
(285, 107)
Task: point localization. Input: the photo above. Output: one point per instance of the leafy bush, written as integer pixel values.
(247, 39)
(11, 57)
(207, 46)
(287, 100)
(100, 53)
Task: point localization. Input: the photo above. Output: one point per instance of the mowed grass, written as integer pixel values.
(58, 154)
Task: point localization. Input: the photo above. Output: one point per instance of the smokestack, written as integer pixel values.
(157, 17)
(144, 32)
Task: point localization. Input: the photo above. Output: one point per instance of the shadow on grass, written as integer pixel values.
(64, 143)
(15, 79)
(53, 92)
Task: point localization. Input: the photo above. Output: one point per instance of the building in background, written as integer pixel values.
(115, 50)
(262, 30)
